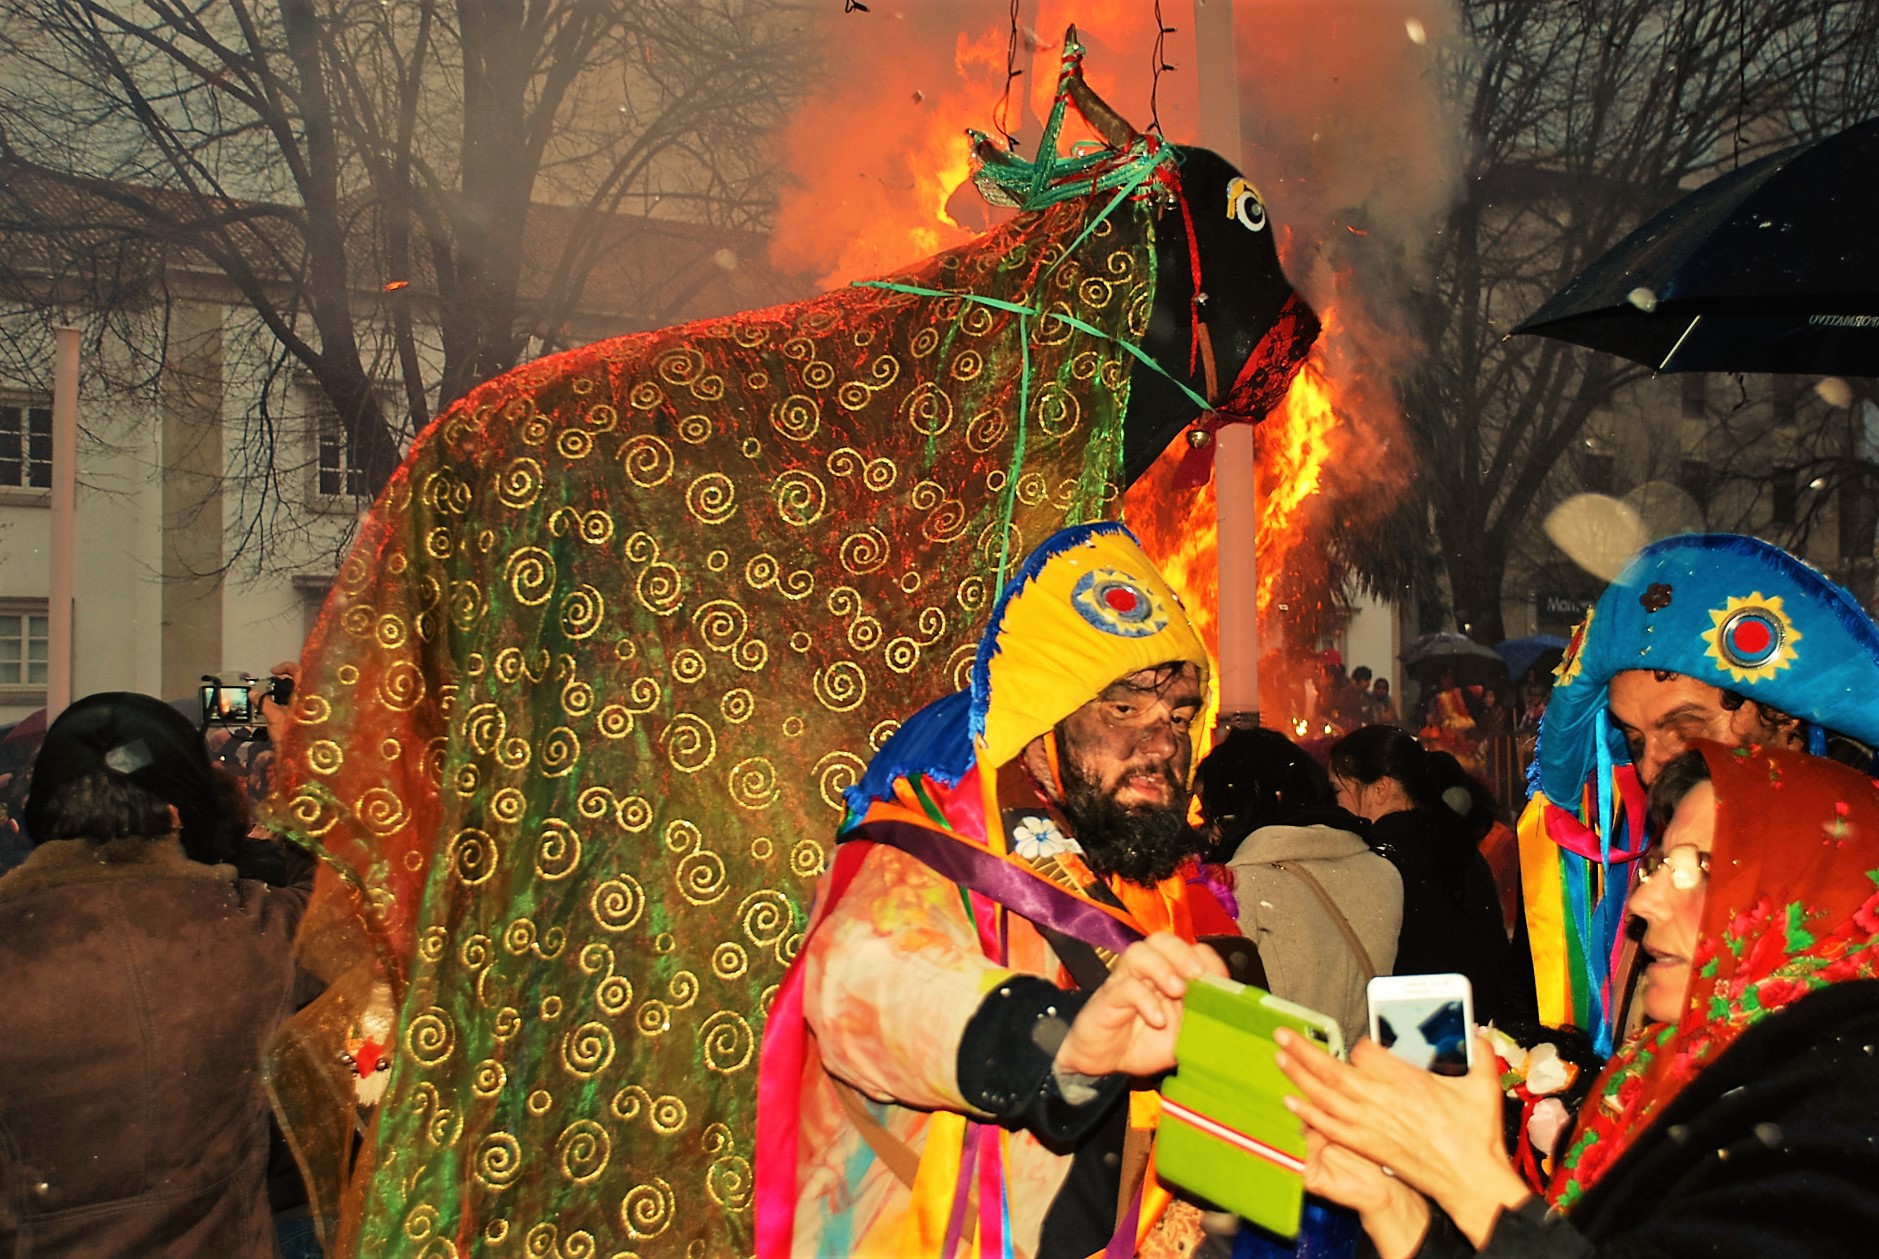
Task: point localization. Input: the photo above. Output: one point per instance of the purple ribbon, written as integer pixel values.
(1022, 891)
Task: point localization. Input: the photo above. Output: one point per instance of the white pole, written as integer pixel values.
(64, 505)
(1217, 75)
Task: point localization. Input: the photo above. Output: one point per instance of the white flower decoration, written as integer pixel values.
(1039, 837)
(1547, 1072)
(1509, 1050)
(1546, 1122)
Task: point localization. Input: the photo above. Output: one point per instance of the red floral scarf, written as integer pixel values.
(1793, 906)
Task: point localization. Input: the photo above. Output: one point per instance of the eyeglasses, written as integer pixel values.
(1689, 865)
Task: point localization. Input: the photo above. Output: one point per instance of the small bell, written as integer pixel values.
(1199, 438)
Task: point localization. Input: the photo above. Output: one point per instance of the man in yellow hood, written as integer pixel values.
(957, 1057)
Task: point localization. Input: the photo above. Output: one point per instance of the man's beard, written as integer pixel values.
(1142, 843)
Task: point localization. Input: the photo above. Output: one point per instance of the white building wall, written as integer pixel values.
(116, 624)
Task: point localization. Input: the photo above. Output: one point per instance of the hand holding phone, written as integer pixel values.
(1426, 1020)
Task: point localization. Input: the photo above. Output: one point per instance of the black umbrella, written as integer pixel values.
(1769, 268)
(1472, 663)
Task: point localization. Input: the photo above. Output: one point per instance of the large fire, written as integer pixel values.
(1338, 121)
(918, 76)
(1180, 533)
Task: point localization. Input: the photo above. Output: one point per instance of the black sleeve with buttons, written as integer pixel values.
(1005, 1059)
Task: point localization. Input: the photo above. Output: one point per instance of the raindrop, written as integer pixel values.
(1769, 1134)
(1679, 1132)
(1643, 298)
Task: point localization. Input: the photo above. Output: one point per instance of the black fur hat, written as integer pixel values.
(147, 742)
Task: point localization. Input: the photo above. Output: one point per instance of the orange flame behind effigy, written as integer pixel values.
(908, 89)
(1179, 529)
(904, 86)
(1293, 447)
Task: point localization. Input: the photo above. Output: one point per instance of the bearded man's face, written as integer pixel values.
(1125, 757)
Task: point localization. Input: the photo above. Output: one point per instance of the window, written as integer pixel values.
(1784, 483)
(25, 446)
(1693, 476)
(1695, 395)
(312, 590)
(25, 639)
(339, 472)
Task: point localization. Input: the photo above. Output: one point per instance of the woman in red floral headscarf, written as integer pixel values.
(1743, 1119)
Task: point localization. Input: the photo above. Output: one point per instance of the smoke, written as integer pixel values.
(1355, 146)
(1347, 135)
(1343, 119)
(1343, 105)
(877, 157)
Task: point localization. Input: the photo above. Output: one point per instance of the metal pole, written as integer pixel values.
(64, 504)
(1217, 74)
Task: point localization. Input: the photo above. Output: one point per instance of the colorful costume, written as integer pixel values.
(592, 682)
(1731, 611)
(932, 925)
(1731, 1132)
(1448, 725)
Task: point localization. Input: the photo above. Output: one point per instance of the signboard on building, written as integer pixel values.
(1557, 609)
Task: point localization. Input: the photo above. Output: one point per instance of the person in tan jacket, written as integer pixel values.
(1322, 907)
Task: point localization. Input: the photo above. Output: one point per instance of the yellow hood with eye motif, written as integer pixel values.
(1085, 608)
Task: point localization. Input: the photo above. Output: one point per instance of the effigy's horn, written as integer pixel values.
(1104, 121)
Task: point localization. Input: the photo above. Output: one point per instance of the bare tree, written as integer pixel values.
(1797, 465)
(1581, 119)
(410, 194)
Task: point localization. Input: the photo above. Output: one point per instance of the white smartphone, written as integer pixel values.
(1426, 1020)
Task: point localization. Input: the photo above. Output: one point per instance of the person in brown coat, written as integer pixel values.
(137, 989)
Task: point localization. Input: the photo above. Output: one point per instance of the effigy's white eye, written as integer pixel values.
(1243, 203)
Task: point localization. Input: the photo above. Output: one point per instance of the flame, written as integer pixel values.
(1340, 114)
(1293, 447)
(1179, 529)
(908, 91)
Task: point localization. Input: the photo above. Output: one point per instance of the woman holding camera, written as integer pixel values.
(1743, 1119)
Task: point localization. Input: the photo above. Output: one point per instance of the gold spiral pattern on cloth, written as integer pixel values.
(498, 1160)
(753, 783)
(581, 714)
(582, 1151)
(647, 1209)
(711, 498)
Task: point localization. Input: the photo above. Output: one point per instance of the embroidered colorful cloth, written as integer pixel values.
(1724, 609)
(1792, 907)
(584, 701)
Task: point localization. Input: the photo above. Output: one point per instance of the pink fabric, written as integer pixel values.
(780, 1068)
(1576, 837)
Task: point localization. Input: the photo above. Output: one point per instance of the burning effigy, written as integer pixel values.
(573, 731)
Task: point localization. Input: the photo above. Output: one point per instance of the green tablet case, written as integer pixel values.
(1225, 1135)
